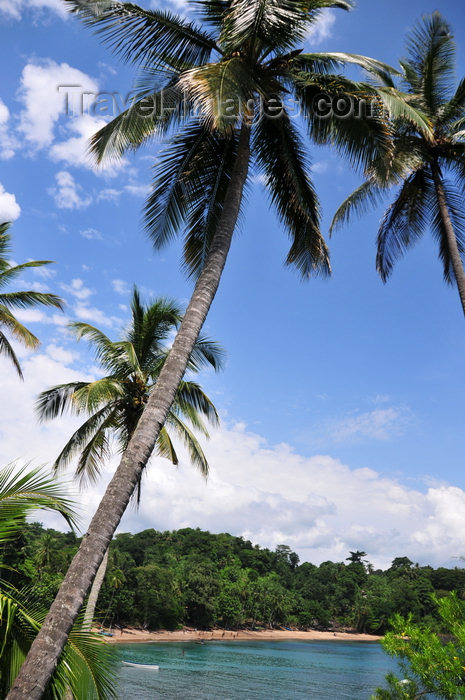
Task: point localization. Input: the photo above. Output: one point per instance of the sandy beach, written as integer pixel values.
(191, 635)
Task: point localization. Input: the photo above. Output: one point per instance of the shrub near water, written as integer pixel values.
(430, 665)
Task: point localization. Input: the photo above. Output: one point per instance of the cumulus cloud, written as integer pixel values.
(267, 493)
(8, 143)
(43, 94)
(78, 289)
(91, 234)
(323, 28)
(120, 287)
(67, 193)
(56, 99)
(379, 424)
(317, 505)
(9, 207)
(13, 8)
(95, 316)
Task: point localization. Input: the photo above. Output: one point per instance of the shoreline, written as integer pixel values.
(132, 635)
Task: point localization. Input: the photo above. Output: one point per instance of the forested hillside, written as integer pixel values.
(191, 577)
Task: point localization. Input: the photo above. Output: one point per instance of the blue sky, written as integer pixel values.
(346, 371)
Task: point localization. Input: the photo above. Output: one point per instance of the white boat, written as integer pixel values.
(152, 667)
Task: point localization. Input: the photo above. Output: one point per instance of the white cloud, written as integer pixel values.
(91, 234)
(8, 143)
(67, 192)
(96, 316)
(320, 167)
(60, 354)
(56, 99)
(9, 207)
(267, 493)
(39, 316)
(380, 424)
(13, 8)
(43, 93)
(77, 289)
(317, 505)
(138, 190)
(322, 28)
(120, 287)
(109, 194)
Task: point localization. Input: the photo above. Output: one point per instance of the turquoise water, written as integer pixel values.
(253, 670)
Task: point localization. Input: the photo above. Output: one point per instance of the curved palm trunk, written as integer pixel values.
(94, 593)
(47, 646)
(456, 260)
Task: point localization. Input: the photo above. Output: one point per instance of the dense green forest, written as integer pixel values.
(191, 577)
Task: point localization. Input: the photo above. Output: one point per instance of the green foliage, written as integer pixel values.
(192, 577)
(114, 403)
(199, 82)
(430, 665)
(9, 301)
(86, 666)
(418, 159)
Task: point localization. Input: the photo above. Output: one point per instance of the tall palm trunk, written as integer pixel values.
(94, 593)
(47, 646)
(456, 260)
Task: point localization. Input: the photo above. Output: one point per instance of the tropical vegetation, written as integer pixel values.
(10, 301)
(248, 55)
(86, 667)
(431, 664)
(163, 580)
(114, 403)
(427, 168)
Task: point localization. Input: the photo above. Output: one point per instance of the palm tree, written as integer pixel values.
(18, 300)
(114, 403)
(86, 666)
(225, 84)
(429, 168)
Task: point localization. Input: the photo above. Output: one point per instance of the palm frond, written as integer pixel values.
(346, 114)
(92, 395)
(23, 490)
(329, 61)
(8, 272)
(95, 453)
(208, 183)
(165, 447)
(404, 221)
(7, 351)
(453, 110)
(196, 454)
(281, 157)
(206, 353)
(150, 116)
(220, 92)
(454, 202)
(57, 400)
(24, 300)
(83, 435)
(86, 667)
(17, 329)
(145, 36)
(431, 52)
(192, 402)
(168, 205)
(363, 198)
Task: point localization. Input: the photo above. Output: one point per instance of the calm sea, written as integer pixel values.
(253, 670)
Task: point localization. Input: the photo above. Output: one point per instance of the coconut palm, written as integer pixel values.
(429, 169)
(219, 90)
(115, 402)
(86, 667)
(9, 301)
